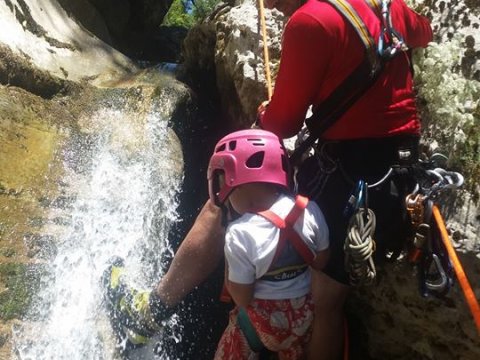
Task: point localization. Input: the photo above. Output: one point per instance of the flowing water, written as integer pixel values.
(123, 202)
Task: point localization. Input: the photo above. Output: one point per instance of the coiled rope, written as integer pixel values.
(266, 57)
(359, 247)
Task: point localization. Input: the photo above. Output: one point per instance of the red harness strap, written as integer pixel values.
(287, 233)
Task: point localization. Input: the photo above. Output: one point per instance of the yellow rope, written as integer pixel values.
(266, 57)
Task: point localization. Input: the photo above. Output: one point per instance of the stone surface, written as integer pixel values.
(61, 88)
(234, 35)
(42, 33)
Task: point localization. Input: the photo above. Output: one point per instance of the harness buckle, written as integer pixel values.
(404, 154)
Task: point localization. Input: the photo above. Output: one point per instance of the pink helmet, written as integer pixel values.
(246, 156)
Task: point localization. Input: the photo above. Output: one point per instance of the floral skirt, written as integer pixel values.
(283, 326)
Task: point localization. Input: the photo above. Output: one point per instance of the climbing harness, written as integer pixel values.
(249, 331)
(326, 166)
(351, 15)
(359, 244)
(390, 44)
(287, 236)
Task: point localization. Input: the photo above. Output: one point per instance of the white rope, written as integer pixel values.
(359, 247)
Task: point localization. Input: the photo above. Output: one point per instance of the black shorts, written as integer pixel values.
(367, 160)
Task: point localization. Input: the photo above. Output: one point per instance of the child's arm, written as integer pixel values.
(320, 259)
(242, 294)
(239, 270)
(318, 264)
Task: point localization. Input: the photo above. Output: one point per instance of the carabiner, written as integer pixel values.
(436, 281)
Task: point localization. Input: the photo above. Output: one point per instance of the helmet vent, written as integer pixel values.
(221, 148)
(256, 160)
(257, 142)
(232, 145)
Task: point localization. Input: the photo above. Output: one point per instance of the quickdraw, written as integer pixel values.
(390, 43)
(426, 249)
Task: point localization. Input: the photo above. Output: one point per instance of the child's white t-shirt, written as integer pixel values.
(251, 242)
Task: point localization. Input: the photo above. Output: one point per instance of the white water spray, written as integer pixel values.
(124, 205)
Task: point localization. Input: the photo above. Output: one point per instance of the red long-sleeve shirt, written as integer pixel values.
(320, 49)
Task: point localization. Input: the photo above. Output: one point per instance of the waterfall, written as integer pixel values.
(123, 188)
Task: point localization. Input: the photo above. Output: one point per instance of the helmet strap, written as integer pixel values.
(224, 215)
(228, 213)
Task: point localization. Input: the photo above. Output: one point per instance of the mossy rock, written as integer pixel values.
(22, 282)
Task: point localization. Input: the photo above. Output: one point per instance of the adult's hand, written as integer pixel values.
(260, 112)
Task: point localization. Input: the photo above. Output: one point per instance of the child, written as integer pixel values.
(268, 248)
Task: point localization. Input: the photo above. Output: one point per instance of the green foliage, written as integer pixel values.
(176, 15)
(203, 8)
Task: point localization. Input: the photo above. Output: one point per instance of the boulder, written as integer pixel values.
(42, 33)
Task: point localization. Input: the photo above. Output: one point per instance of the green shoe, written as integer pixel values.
(135, 315)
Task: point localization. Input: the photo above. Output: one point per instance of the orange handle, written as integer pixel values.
(462, 278)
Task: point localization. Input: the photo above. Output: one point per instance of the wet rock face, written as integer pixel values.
(32, 131)
(51, 116)
(47, 153)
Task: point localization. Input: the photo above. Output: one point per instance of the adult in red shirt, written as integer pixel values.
(320, 49)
